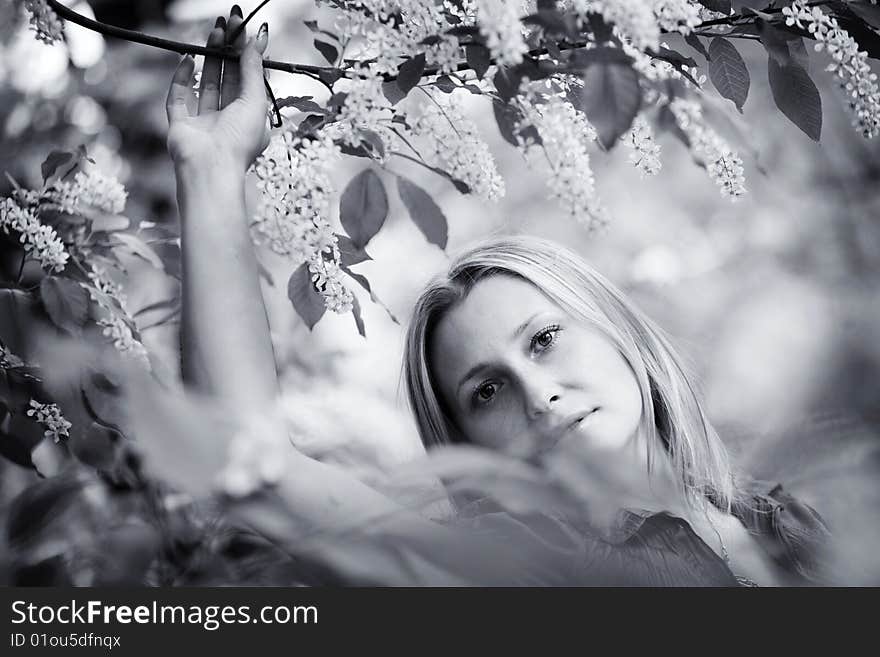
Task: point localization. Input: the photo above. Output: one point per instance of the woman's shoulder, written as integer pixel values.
(792, 532)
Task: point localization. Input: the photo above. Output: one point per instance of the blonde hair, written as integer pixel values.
(672, 417)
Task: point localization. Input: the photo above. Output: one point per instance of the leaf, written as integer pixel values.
(38, 505)
(349, 254)
(507, 117)
(728, 71)
(66, 303)
(140, 248)
(478, 58)
(392, 92)
(410, 72)
(796, 96)
(867, 11)
(717, 5)
(611, 98)
(445, 84)
(424, 212)
(19, 435)
(50, 164)
(363, 207)
(302, 103)
(356, 313)
(364, 283)
(328, 50)
(307, 301)
(694, 42)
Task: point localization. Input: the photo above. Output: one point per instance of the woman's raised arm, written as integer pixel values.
(225, 342)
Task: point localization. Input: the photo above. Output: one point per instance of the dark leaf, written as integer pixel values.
(604, 55)
(66, 303)
(694, 42)
(432, 40)
(327, 50)
(55, 160)
(307, 301)
(392, 92)
(611, 98)
(349, 254)
(364, 283)
(464, 30)
(505, 84)
(39, 505)
(358, 319)
(19, 435)
(410, 72)
(373, 140)
(302, 103)
(799, 53)
(673, 57)
(728, 71)
(424, 212)
(867, 11)
(717, 5)
(796, 96)
(311, 123)
(445, 84)
(507, 117)
(552, 21)
(479, 59)
(363, 207)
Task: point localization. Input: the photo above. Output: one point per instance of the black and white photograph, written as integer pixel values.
(437, 293)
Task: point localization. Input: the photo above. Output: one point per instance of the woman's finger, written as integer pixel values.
(232, 72)
(253, 84)
(209, 88)
(180, 94)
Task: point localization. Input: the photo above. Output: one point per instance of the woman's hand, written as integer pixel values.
(227, 125)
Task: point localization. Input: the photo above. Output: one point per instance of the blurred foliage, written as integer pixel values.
(775, 299)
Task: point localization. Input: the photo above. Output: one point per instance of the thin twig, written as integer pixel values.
(241, 28)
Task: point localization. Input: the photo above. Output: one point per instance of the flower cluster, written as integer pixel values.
(849, 64)
(116, 322)
(499, 23)
(87, 190)
(645, 150)
(724, 166)
(390, 31)
(454, 144)
(44, 21)
(40, 242)
(49, 415)
(293, 175)
(365, 108)
(677, 15)
(635, 21)
(565, 135)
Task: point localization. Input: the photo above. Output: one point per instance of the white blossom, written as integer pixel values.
(293, 175)
(87, 190)
(103, 283)
(634, 20)
(850, 65)
(44, 21)
(49, 415)
(564, 151)
(124, 341)
(453, 143)
(499, 22)
(40, 242)
(645, 150)
(677, 15)
(365, 108)
(724, 166)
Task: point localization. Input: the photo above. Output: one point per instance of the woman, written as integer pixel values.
(495, 357)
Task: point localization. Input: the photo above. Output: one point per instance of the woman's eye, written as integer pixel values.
(544, 339)
(485, 392)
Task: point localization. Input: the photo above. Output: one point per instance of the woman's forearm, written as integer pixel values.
(226, 348)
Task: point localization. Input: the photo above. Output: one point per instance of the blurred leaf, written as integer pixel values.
(307, 301)
(717, 5)
(140, 248)
(50, 164)
(392, 92)
(611, 98)
(796, 96)
(363, 207)
(94, 445)
(867, 11)
(694, 42)
(728, 71)
(358, 319)
(66, 302)
(410, 73)
(478, 58)
(38, 505)
(424, 212)
(364, 283)
(19, 435)
(302, 103)
(327, 50)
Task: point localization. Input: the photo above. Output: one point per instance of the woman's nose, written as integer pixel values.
(540, 399)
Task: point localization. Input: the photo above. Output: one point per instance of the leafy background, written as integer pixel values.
(774, 299)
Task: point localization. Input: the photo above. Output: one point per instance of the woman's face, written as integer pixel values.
(520, 375)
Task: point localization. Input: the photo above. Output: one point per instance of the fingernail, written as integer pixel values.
(237, 11)
(220, 22)
(263, 32)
